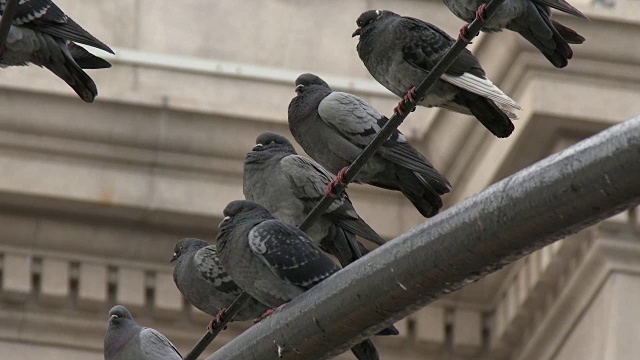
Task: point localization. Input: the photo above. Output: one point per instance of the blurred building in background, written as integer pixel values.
(94, 196)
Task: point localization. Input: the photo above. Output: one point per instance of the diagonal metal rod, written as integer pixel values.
(543, 203)
(8, 14)
(208, 337)
(397, 119)
(393, 123)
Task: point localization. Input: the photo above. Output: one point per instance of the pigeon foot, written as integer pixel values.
(408, 99)
(217, 320)
(465, 29)
(268, 313)
(463, 33)
(480, 12)
(338, 180)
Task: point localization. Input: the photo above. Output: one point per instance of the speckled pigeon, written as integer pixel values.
(400, 51)
(125, 340)
(43, 35)
(529, 18)
(273, 261)
(201, 279)
(334, 128)
(290, 186)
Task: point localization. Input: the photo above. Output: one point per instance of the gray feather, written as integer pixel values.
(125, 340)
(273, 261)
(204, 283)
(529, 18)
(290, 186)
(39, 35)
(399, 52)
(333, 128)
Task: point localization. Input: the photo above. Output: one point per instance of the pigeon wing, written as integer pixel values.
(157, 346)
(290, 254)
(210, 268)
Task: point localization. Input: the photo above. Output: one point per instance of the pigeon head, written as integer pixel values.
(369, 18)
(185, 246)
(240, 209)
(237, 213)
(308, 81)
(119, 315)
(272, 140)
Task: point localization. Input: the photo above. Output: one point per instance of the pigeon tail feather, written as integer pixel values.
(563, 6)
(73, 75)
(488, 113)
(365, 351)
(421, 194)
(569, 35)
(85, 59)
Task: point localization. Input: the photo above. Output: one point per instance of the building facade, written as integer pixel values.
(93, 197)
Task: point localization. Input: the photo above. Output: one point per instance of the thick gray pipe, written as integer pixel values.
(545, 202)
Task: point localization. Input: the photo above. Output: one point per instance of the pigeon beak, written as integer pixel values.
(174, 257)
(358, 32)
(226, 218)
(257, 147)
(113, 317)
(299, 88)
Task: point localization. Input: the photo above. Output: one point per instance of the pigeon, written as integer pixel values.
(201, 279)
(43, 35)
(334, 128)
(529, 18)
(125, 340)
(290, 186)
(273, 261)
(400, 51)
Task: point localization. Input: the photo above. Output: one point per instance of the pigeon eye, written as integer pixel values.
(370, 21)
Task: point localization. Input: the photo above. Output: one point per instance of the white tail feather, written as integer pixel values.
(482, 87)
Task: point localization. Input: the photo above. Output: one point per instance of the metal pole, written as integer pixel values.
(8, 14)
(209, 336)
(545, 202)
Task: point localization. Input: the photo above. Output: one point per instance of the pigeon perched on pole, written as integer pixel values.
(125, 340)
(529, 18)
(43, 35)
(273, 261)
(334, 128)
(400, 51)
(290, 185)
(200, 278)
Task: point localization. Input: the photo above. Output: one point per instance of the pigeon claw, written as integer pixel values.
(463, 33)
(480, 12)
(409, 98)
(338, 180)
(268, 313)
(340, 176)
(217, 320)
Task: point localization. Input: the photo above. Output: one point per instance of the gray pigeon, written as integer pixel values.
(43, 35)
(125, 340)
(201, 279)
(529, 18)
(400, 51)
(290, 186)
(274, 261)
(334, 128)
